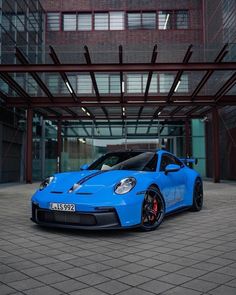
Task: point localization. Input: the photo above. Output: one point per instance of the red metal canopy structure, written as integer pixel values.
(196, 103)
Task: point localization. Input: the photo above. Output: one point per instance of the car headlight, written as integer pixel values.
(46, 182)
(125, 185)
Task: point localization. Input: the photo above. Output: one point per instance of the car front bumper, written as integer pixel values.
(100, 219)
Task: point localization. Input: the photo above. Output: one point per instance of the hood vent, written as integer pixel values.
(83, 193)
(55, 192)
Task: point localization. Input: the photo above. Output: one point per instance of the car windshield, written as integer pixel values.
(138, 161)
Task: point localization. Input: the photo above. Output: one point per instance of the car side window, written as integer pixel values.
(166, 160)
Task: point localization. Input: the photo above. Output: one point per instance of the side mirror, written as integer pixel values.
(172, 168)
(84, 167)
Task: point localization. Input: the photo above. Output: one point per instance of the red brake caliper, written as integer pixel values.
(155, 206)
(155, 209)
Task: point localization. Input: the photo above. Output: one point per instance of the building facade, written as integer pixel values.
(102, 26)
(21, 25)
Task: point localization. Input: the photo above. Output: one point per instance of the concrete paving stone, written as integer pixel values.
(112, 287)
(74, 272)
(88, 291)
(175, 279)
(59, 266)
(114, 273)
(25, 284)
(200, 285)
(192, 272)
(46, 290)
(232, 283)
(114, 262)
(192, 245)
(4, 289)
(206, 266)
(5, 269)
(12, 276)
(134, 279)
(223, 290)
(134, 291)
(220, 261)
(36, 271)
(155, 286)
(69, 286)
(228, 270)
(152, 273)
(52, 278)
(169, 267)
(181, 291)
(92, 279)
(133, 267)
(215, 277)
(96, 267)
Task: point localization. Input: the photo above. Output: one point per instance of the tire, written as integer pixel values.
(153, 209)
(197, 196)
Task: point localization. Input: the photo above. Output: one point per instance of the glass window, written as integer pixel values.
(183, 86)
(134, 83)
(134, 21)
(166, 160)
(69, 22)
(149, 20)
(182, 19)
(53, 84)
(20, 22)
(164, 20)
(84, 84)
(166, 81)
(101, 21)
(117, 20)
(102, 83)
(114, 83)
(53, 21)
(153, 85)
(84, 21)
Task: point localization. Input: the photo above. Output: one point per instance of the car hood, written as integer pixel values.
(90, 181)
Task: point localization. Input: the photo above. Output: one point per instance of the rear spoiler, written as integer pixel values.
(190, 161)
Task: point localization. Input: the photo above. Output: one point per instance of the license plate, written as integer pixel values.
(62, 207)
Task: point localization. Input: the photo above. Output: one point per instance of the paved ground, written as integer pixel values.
(191, 253)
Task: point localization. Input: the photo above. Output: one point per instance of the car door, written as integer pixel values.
(167, 182)
(173, 182)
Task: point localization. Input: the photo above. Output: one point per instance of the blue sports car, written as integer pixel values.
(119, 190)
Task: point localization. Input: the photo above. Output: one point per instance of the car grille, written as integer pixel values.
(66, 218)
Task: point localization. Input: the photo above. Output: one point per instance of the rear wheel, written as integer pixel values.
(153, 210)
(197, 196)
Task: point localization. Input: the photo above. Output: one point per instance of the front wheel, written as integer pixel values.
(197, 196)
(153, 210)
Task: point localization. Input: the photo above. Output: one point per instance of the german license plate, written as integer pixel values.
(62, 207)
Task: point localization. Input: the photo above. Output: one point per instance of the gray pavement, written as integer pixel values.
(191, 253)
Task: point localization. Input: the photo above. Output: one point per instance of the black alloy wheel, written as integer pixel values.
(153, 210)
(197, 196)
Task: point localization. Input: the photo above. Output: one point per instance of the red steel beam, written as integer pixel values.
(226, 87)
(115, 67)
(186, 59)
(208, 74)
(29, 140)
(216, 145)
(132, 101)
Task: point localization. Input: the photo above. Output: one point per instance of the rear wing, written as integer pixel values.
(190, 161)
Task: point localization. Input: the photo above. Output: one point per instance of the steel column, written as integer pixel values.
(187, 139)
(216, 145)
(29, 141)
(59, 145)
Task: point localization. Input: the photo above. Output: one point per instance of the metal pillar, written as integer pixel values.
(29, 140)
(187, 139)
(216, 145)
(59, 145)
